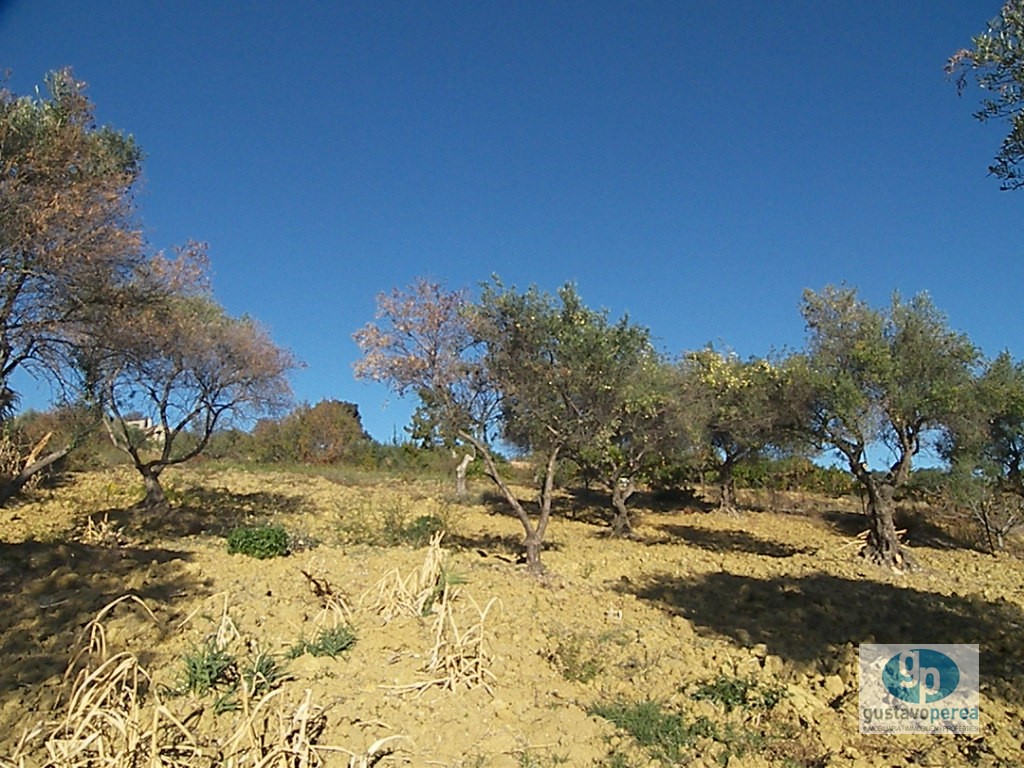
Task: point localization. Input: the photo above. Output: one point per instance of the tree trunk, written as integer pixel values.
(883, 545)
(622, 526)
(13, 486)
(156, 499)
(534, 534)
(533, 545)
(727, 486)
(460, 477)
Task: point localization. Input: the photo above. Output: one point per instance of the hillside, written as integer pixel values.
(742, 630)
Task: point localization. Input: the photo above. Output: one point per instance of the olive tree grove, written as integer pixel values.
(523, 369)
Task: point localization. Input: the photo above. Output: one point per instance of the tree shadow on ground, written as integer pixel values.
(808, 619)
(728, 541)
(493, 544)
(50, 591)
(214, 511)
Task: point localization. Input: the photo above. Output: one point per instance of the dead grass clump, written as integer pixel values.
(412, 595)
(111, 715)
(102, 533)
(458, 657)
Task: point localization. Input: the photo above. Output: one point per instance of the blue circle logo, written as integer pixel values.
(921, 676)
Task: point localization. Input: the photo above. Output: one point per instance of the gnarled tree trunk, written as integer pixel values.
(883, 544)
(156, 499)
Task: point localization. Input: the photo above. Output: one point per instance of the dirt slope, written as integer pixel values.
(774, 601)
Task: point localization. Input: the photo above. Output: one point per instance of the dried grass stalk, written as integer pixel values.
(395, 595)
(458, 657)
(113, 717)
(334, 607)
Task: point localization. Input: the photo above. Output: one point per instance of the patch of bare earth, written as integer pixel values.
(501, 669)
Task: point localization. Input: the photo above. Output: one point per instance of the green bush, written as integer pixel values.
(260, 542)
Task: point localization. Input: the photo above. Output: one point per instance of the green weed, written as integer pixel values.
(739, 693)
(330, 641)
(665, 735)
(208, 667)
(261, 542)
(576, 658)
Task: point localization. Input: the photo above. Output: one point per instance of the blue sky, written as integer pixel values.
(695, 164)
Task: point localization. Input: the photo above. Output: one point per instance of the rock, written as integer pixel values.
(834, 686)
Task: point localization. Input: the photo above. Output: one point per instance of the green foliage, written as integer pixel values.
(997, 62)
(419, 531)
(208, 667)
(262, 674)
(665, 735)
(329, 641)
(794, 473)
(737, 411)
(261, 542)
(895, 378)
(739, 693)
(446, 578)
(391, 523)
(212, 668)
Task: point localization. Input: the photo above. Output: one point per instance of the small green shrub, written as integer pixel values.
(665, 735)
(576, 658)
(260, 542)
(734, 693)
(331, 641)
(419, 531)
(208, 667)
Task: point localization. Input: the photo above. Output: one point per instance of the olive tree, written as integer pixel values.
(996, 59)
(573, 384)
(183, 368)
(635, 429)
(986, 452)
(68, 241)
(523, 369)
(736, 411)
(878, 378)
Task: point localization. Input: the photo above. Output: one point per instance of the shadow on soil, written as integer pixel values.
(808, 619)
(505, 546)
(50, 591)
(728, 541)
(213, 511)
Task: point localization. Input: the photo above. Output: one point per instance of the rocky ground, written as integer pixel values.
(732, 639)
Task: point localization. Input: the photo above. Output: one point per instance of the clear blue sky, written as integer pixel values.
(695, 164)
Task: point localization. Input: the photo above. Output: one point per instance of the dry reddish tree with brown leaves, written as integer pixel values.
(182, 367)
(68, 240)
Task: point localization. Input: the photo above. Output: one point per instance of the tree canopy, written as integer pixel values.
(871, 377)
(996, 60)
